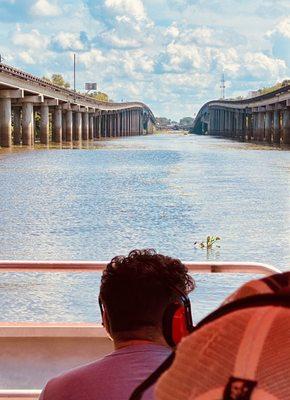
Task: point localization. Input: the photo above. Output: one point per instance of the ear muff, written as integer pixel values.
(177, 323)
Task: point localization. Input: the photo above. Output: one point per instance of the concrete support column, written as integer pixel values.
(104, 125)
(255, 126)
(122, 123)
(96, 125)
(63, 127)
(5, 123)
(27, 124)
(268, 126)
(57, 124)
(286, 126)
(44, 124)
(114, 125)
(69, 126)
(78, 126)
(249, 126)
(85, 125)
(261, 126)
(227, 123)
(16, 125)
(276, 130)
(100, 126)
(91, 126)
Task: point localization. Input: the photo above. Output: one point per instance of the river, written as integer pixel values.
(164, 192)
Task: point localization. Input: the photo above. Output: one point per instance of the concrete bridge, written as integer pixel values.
(264, 118)
(65, 115)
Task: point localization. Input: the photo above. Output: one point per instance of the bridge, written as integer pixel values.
(65, 115)
(264, 118)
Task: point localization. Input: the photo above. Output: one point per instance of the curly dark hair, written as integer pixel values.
(136, 289)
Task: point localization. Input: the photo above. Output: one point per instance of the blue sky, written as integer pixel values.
(169, 54)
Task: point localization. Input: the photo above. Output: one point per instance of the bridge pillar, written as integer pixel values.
(100, 125)
(115, 124)
(131, 122)
(85, 126)
(77, 126)
(103, 125)
(242, 125)
(139, 122)
(249, 127)
(5, 122)
(27, 124)
(69, 126)
(268, 126)
(286, 126)
(91, 126)
(229, 123)
(255, 126)
(57, 124)
(16, 125)
(44, 124)
(63, 126)
(261, 126)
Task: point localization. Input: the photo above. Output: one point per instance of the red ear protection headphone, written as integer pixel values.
(177, 319)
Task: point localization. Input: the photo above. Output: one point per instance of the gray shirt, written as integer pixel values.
(114, 377)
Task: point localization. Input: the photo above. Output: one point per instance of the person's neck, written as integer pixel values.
(121, 343)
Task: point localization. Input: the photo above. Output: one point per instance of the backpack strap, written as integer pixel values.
(152, 379)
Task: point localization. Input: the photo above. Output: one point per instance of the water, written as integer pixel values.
(164, 191)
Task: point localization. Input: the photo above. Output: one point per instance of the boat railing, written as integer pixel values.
(14, 330)
(94, 266)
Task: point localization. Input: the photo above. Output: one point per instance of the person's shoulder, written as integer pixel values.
(72, 384)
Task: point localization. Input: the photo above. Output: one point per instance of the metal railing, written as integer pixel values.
(94, 266)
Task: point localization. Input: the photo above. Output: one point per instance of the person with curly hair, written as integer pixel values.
(134, 294)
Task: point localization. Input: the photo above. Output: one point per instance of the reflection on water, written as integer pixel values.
(161, 191)
(72, 297)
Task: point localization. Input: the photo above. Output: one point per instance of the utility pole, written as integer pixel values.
(75, 74)
(223, 86)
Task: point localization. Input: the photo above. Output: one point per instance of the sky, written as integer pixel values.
(169, 54)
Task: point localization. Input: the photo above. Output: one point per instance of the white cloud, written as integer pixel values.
(67, 41)
(281, 29)
(134, 8)
(26, 57)
(45, 8)
(29, 40)
(260, 66)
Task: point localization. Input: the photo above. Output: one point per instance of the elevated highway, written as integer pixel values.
(64, 115)
(261, 118)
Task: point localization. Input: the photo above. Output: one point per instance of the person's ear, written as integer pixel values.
(106, 323)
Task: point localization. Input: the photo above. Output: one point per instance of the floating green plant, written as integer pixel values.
(209, 243)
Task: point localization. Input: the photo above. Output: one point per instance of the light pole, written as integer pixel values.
(75, 74)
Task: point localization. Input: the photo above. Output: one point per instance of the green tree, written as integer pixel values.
(99, 96)
(57, 79)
